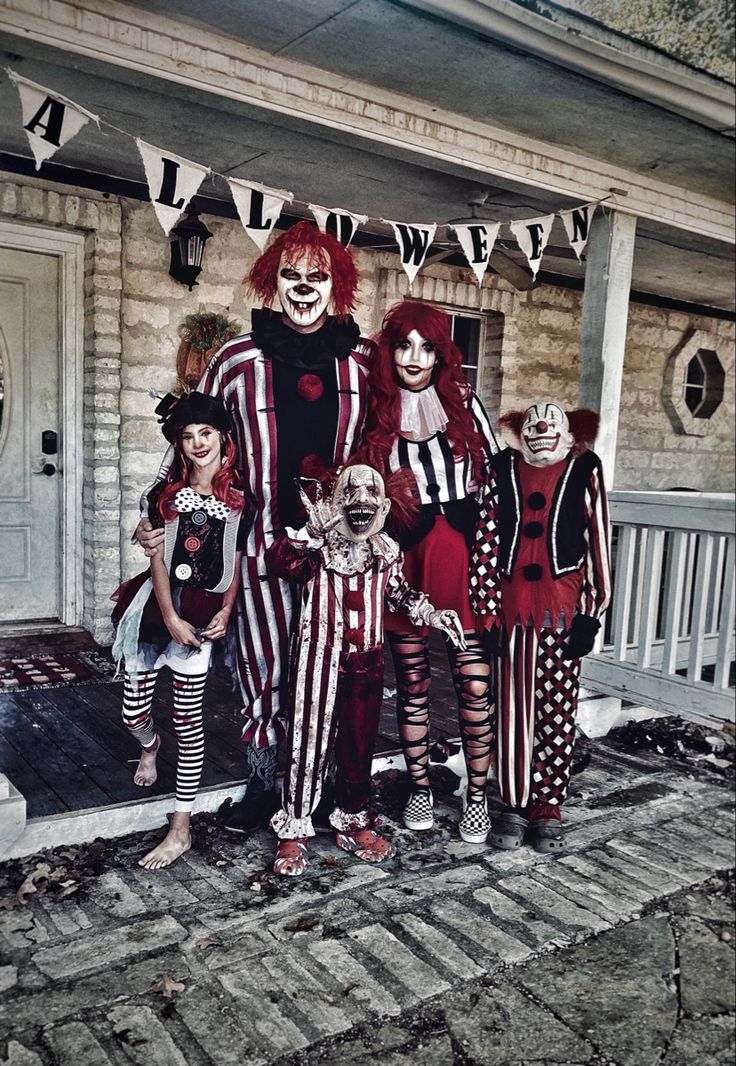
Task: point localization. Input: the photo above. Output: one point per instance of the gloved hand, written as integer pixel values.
(581, 638)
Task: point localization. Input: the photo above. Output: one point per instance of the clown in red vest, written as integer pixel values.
(540, 580)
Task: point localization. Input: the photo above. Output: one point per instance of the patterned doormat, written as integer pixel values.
(53, 671)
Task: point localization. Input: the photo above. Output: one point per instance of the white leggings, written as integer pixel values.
(188, 696)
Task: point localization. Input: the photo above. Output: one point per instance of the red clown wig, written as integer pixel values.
(449, 380)
(322, 250)
(227, 484)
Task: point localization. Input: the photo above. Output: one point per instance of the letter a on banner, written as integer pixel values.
(172, 182)
(477, 240)
(50, 120)
(413, 242)
(259, 207)
(337, 221)
(577, 226)
(532, 235)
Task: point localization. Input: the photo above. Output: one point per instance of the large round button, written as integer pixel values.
(199, 518)
(183, 572)
(533, 530)
(537, 501)
(192, 545)
(532, 572)
(433, 488)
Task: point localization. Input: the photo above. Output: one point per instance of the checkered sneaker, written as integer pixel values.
(475, 825)
(418, 812)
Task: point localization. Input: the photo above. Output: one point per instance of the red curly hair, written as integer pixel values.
(227, 484)
(323, 250)
(384, 412)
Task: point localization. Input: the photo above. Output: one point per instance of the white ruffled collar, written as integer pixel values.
(422, 414)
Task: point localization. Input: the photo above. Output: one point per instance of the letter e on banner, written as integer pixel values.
(477, 240)
(532, 235)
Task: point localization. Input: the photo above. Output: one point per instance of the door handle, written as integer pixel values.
(48, 469)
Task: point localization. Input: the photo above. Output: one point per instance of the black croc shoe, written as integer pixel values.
(545, 828)
(509, 829)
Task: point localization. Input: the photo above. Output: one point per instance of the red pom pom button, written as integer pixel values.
(353, 600)
(310, 387)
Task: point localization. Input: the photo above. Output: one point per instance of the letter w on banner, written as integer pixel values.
(532, 235)
(577, 226)
(338, 221)
(50, 120)
(413, 242)
(172, 182)
(259, 207)
(477, 240)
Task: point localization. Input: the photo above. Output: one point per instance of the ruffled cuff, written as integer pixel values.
(286, 827)
(351, 821)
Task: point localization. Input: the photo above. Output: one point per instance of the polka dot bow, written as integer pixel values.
(187, 500)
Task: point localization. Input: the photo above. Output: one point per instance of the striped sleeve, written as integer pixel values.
(483, 425)
(596, 591)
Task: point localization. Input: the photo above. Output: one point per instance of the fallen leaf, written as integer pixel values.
(207, 942)
(303, 924)
(166, 986)
(31, 883)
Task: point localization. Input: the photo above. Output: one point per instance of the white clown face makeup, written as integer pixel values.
(304, 289)
(545, 434)
(359, 497)
(414, 359)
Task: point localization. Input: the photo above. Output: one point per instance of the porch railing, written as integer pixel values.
(669, 633)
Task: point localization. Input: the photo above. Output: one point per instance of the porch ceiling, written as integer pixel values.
(397, 50)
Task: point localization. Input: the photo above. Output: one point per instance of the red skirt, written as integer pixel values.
(437, 565)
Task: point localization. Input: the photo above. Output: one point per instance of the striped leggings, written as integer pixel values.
(188, 696)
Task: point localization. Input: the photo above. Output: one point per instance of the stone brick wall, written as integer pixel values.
(133, 309)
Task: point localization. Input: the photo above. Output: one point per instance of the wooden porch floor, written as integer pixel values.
(66, 749)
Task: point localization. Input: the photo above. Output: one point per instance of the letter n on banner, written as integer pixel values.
(258, 207)
(532, 235)
(172, 182)
(477, 240)
(337, 221)
(577, 226)
(413, 242)
(50, 120)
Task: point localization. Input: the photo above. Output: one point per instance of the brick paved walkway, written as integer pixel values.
(268, 967)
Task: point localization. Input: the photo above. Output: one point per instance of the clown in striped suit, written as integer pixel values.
(294, 387)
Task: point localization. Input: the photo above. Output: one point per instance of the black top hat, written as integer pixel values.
(192, 408)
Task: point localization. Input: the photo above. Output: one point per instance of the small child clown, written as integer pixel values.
(348, 567)
(540, 576)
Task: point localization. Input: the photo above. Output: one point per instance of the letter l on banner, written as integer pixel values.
(172, 182)
(258, 207)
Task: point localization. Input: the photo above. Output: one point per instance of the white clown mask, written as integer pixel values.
(304, 288)
(545, 434)
(414, 360)
(359, 498)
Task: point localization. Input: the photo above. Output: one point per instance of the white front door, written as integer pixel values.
(30, 431)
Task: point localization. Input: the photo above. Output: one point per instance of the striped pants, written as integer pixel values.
(537, 701)
(188, 696)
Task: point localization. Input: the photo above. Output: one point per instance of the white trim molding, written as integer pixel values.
(69, 249)
(159, 47)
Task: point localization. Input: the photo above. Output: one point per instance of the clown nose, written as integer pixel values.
(542, 426)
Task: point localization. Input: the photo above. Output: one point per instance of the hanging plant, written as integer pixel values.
(202, 334)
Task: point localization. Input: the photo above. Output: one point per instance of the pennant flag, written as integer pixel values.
(577, 226)
(50, 120)
(532, 235)
(259, 207)
(413, 242)
(337, 221)
(477, 240)
(172, 182)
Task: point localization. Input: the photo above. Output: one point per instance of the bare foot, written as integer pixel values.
(175, 844)
(145, 773)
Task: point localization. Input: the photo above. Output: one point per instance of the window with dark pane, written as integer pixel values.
(704, 383)
(466, 333)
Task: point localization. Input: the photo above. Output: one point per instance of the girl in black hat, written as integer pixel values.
(171, 614)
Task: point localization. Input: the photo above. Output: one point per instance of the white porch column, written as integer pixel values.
(609, 259)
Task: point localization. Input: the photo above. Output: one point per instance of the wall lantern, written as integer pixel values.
(187, 248)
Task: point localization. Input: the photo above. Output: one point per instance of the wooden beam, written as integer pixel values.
(609, 261)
